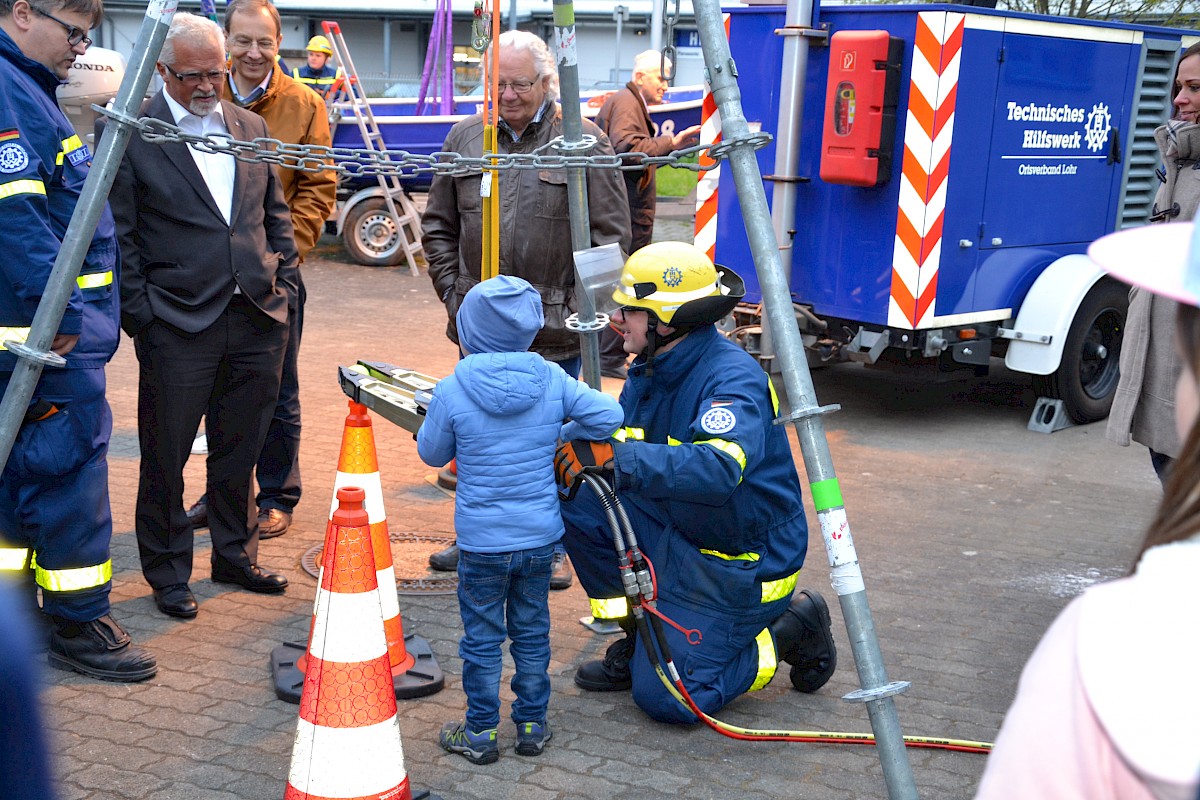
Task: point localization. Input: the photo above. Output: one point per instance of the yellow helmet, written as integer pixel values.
(319, 44)
(678, 283)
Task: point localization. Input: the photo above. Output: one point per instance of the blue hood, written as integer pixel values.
(499, 315)
(504, 383)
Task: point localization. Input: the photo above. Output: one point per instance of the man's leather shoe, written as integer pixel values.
(561, 576)
(198, 513)
(176, 600)
(445, 560)
(101, 649)
(273, 522)
(254, 578)
(620, 372)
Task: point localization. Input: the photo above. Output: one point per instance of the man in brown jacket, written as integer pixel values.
(535, 226)
(625, 117)
(294, 115)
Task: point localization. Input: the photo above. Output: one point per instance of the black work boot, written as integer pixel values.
(612, 674)
(804, 639)
(101, 649)
(445, 560)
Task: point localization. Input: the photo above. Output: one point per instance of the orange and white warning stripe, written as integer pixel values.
(348, 736)
(358, 465)
(707, 186)
(927, 135)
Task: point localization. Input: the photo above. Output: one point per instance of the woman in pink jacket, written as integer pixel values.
(1107, 706)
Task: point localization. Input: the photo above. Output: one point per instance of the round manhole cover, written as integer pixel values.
(410, 554)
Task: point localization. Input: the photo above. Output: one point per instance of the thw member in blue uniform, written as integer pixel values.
(712, 493)
(54, 512)
(316, 73)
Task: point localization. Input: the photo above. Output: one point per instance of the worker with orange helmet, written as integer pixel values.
(708, 482)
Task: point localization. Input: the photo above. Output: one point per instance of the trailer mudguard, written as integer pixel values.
(362, 194)
(1048, 310)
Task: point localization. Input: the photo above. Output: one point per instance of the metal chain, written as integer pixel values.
(369, 163)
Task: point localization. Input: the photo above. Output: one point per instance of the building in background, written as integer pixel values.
(388, 38)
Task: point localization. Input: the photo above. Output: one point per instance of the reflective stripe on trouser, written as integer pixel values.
(729, 659)
(54, 494)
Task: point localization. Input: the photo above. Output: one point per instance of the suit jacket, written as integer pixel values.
(180, 259)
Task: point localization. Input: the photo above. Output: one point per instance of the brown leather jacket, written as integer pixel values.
(535, 226)
(626, 120)
(296, 114)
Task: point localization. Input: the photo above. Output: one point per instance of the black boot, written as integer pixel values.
(804, 639)
(101, 649)
(612, 674)
(445, 560)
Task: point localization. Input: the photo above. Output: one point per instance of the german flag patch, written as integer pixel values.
(9, 135)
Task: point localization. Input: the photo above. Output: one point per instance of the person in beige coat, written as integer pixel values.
(1144, 407)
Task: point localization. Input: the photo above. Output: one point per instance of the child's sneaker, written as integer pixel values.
(478, 748)
(532, 738)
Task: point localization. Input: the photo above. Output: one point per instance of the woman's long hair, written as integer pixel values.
(1178, 516)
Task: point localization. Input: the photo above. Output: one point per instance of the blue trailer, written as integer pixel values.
(953, 164)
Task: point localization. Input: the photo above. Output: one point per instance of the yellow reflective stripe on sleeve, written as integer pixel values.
(94, 280)
(611, 608)
(673, 442)
(768, 660)
(727, 557)
(69, 145)
(18, 335)
(626, 434)
(74, 580)
(774, 397)
(780, 589)
(14, 559)
(731, 449)
(14, 188)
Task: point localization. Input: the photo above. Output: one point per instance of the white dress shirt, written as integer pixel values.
(217, 168)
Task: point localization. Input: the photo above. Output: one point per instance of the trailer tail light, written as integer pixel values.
(860, 107)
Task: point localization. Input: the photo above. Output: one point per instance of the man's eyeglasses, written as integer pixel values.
(75, 37)
(245, 43)
(520, 87)
(214, 76)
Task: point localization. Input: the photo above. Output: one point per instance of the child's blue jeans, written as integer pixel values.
(499, 594)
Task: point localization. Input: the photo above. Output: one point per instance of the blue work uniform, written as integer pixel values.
(712, 493)
(54, 508)
(319, 80)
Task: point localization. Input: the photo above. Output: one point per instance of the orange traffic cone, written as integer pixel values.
(348, 735)
(415, 671)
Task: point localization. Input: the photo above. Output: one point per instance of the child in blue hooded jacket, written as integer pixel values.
(501, 414)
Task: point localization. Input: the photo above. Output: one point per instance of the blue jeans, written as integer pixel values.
(499, 593)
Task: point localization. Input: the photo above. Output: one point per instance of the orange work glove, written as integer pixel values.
(577, 458)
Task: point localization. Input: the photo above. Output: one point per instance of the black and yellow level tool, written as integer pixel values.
(397, 394)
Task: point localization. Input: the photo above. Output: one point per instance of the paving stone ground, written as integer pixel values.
(972, 532)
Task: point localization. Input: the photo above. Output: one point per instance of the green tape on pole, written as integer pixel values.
(826, 494)
(564, 14)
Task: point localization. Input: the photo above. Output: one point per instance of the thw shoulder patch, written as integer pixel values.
(717, 421)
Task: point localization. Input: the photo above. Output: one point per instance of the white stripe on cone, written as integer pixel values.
(347, 628)
(374, 751)
(367, 481)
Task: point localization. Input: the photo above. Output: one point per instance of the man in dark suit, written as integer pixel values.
(209, 267)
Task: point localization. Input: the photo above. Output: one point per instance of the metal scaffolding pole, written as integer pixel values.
(573, 142)
(877, 692)
(35, 353)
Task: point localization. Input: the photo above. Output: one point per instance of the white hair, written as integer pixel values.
(543, 59)
(649, 61)
(195, 30)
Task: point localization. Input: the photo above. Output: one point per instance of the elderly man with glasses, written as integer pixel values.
(209, 274)
(294, 115)
(535, 226)
(55, 520)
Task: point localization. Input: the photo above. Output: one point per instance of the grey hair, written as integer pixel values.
(543, 59)
(648, 61)
(194, 30)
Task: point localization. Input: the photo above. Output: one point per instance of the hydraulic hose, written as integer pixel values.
(640, 586)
